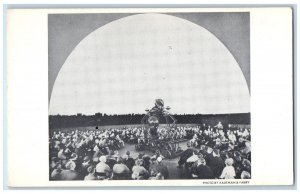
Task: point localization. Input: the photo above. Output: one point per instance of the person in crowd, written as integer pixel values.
(111, 158)
(87, 162)
(201, 171)
(128, 161)
(245, 175)
(91, 174)
(61, 154)
(241, 143)
(121, 143)
(146, 161)
(74, 158)
(103, 171)
(218, 144)
(219, 125)
(120, 170)
(185, 155)
(56, 170)
(237, 164)
(96, 155)
(208, 155)
(246, 165)
(231, 137)
(228, 172)
(139, 171)
(194, 140)
(69, 173)
(247, 149)
(216, 163)
(159, 167)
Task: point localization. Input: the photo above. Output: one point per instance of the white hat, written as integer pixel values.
(159, 159)
(102, 158)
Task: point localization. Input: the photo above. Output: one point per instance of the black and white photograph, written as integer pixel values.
(149, 96)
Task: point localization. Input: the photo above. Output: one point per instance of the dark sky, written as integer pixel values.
(65, 31)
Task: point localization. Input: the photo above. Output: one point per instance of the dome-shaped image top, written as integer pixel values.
(123, 66)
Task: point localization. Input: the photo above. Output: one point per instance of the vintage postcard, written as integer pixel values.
(157, 97)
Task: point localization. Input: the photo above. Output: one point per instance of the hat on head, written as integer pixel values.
(229, 161)
(159, 159)
(245, 175)
(102, 159)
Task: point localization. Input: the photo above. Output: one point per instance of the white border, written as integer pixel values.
(271, 98)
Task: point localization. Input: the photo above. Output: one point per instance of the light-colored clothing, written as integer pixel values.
(140, 170)
(90, 177)
(61, 155)
(193, 158)
(102, 142)
(120, 168)
(69, 175)
(55, 175)
(232, 138)
(228, 173)
(102, 167)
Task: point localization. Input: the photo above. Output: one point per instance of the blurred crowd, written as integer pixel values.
(211, 153)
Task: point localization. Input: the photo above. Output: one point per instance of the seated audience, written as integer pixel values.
(94, 154)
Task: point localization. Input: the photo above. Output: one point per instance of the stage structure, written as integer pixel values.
(155, 116)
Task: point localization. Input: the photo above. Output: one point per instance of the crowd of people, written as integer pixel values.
(211, 153)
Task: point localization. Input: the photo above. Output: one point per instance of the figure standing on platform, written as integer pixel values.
(154, 115)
